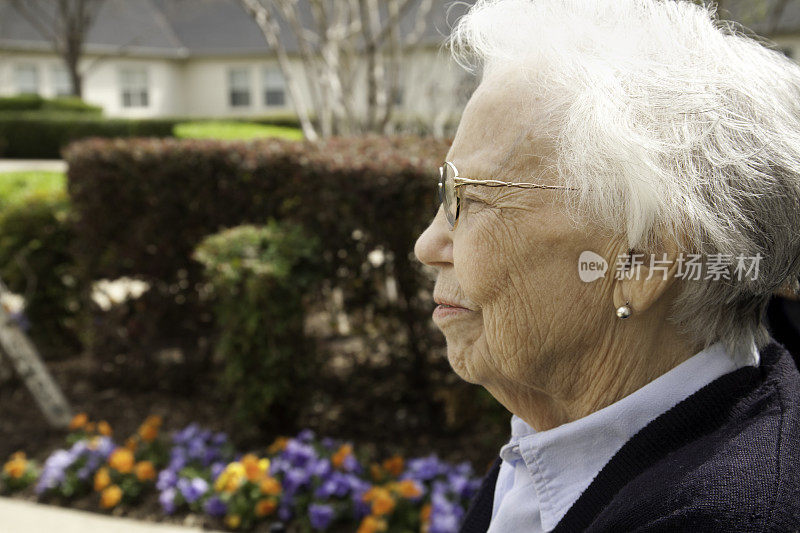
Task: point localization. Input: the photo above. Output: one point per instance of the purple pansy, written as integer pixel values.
(215, 507)
(320, 516)
(192, 489)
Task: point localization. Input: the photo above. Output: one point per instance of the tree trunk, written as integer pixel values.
(270, 30)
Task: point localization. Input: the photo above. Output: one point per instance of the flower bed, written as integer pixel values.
(297, 484)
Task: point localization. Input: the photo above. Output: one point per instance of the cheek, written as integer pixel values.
(481, 261)
(523, 276)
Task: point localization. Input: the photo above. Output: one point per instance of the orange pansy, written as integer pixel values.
(265, 507)
(122, 460)
(78, 421)
(101, 479)
(110, 497)
(144, 471)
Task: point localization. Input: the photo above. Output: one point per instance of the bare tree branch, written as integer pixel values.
(392, 21)
(421, 23)
(776, 15)
(271, 31)
(66, 25)
(342, 43)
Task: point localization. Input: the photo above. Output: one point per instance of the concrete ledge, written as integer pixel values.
(19, 165)
(19, 516)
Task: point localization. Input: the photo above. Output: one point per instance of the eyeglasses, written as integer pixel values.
(451, 185)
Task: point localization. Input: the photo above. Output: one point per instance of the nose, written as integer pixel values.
(435, 246)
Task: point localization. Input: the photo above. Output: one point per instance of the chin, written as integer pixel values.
(462, 364)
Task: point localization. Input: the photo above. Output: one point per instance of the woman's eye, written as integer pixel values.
(474, 200)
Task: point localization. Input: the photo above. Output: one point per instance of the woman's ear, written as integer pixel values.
(645, 279)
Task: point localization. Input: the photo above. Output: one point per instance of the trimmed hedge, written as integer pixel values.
(42, 134)
(34, 102)
(143, 205)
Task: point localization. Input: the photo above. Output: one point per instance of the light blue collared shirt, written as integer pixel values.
(543, 473)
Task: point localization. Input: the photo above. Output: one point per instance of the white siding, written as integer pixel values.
(199, 87)
(101, 84)
(207, 81)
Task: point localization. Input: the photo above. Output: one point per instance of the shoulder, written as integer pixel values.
(742, 474)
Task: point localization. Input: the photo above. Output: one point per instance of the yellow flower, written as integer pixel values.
(265, 507)
(122, 460)
(104, 428)
(78, 421)
(101, 479)
(270, 486)
(254, 467)
(148, 432)
(144, 471)
(371, 524)
(230, 478)
(341, 454)
(408, 488)
(89, 427)
(15, 467)
(394, 465)
(381, 499)
(131, 443)
(425, 513)
(278, 445)
(233, 521)
(110, 496)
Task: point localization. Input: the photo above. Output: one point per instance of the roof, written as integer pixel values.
(184, 28)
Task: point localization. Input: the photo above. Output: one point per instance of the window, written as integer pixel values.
(26, 79)
(134, 87)
(274, 88)
(239, 87)
(399, 96)
(59, 78)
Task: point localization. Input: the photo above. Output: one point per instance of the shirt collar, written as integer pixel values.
(564, 460)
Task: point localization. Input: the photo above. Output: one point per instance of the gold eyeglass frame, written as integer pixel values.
(459, 183)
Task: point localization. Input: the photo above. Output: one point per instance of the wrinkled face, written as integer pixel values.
(512, 261)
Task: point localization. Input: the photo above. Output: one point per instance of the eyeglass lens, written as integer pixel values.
(447, 193)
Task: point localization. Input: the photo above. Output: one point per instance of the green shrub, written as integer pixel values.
(258, 277)
(71, 104)
(22, 102)
(233, 130)
(16, 187)
(34, 102)
(42, 134)
(35, 237)
(285, 120)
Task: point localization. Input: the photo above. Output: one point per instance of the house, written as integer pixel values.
(208, 58)
(197, 58)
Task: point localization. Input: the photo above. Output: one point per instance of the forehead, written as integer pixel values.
(500, 131)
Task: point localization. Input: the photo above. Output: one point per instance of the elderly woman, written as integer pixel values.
(621, 199)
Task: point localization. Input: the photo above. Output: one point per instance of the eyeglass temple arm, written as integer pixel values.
(460, 182)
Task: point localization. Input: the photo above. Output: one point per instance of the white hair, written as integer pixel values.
(673, 125)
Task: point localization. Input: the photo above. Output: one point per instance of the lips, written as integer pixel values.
(446, 303)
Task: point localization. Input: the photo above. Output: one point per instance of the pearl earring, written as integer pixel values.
(624, 311)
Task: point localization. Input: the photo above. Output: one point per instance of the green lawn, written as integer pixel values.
(231, 130)
(15, 186)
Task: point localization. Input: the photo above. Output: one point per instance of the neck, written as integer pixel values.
(587, 379)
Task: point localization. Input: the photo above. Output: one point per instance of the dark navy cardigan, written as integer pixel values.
(726, 459)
